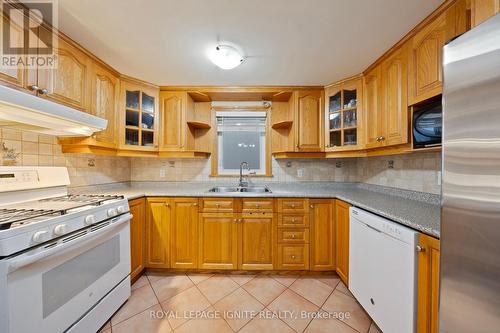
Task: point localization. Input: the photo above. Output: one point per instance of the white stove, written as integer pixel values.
(64, 259)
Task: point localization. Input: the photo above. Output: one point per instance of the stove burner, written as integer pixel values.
(17, 216)
(83, 198)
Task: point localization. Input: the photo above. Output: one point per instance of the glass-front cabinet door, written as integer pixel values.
(343, 105)
(140, 119)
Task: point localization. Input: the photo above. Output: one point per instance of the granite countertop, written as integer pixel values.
(417, 210)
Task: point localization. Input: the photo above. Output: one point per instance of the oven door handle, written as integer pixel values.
(25, 259)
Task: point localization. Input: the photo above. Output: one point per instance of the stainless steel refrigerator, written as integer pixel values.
(470, 231)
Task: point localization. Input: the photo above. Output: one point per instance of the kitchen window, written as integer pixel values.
(241, 137)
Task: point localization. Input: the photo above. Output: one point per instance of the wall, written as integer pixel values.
(417, 172)
(23, 148)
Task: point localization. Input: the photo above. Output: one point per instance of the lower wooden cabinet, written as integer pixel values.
(322, 220)
(218, 241)
(184, 233)
(293, 256)
(158, 219)
(137, 229)
(428, 284)
(257, 234)
(342, 240)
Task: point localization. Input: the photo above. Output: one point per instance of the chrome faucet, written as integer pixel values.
(243, 183)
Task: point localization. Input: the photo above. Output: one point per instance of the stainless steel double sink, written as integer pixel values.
(246, 189)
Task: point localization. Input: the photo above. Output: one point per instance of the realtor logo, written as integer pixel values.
(28, 33)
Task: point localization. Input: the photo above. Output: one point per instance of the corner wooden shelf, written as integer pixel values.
(184, 154)
(199, 124)
(282, 124)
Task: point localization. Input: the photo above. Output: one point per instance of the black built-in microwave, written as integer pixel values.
(428, 125)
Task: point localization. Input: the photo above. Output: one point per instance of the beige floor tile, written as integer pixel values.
(299, 310)
(188, 300)
(241, 279)
(343, 289)
(331, 281)
(339, 302)
(170, 286)
(216, 287)
(374, 328)
(238, 308)
(328, 325)
(264, 289)
(141, 299)
(285, 280)
(144, 322)
(312, 289)
(155, 276)
(198, 277)
(265, 325)
(140, 282)
(205, 325)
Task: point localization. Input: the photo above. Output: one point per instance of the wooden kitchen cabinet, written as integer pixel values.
(309, 120)
(138, 116)
(426, 52)
(343, 115)
(13, 77)
(173, 109)
(342, 240)
(394, 71)
(481, 10)
(105, 96)
(322, 220)
(257, 236)
(428, 284)
(184, 233)
(69, 82)
(158, 220)
(218, 241)
(137, 236)
(385, 101)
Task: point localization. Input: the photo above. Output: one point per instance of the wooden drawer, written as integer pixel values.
(257, 205)
(217, 205)
(293, 205)
(293, 220)
(293, 236)
(293, 257)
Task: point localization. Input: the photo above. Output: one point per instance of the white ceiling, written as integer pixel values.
(286, 42)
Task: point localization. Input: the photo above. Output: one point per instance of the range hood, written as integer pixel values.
(24, 111)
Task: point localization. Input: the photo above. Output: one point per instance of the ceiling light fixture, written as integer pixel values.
(226, 56)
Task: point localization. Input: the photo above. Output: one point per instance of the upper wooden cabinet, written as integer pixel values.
(322, 220)
(394, 98)
(426, 52)
(309, 120)
(138, 116)
(481, 10)
(69, 82)
(385, 101)
(343, 115)
(428, 284)
(105, 96)
(15, 77)
(185, 124)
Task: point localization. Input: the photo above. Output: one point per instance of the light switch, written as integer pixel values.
(300, 173)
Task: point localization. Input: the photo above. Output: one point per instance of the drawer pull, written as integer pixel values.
(293, 236)
(217, 206)
(294, 220)
(292, 205)
(293, 257)
(167, 205)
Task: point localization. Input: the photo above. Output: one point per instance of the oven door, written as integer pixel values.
(50, 288)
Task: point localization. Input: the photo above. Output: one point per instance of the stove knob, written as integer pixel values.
(39, 236)
(112, 212)
(60, 229)
(120, 209)
(90, 219)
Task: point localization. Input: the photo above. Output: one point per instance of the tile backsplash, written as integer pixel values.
(418, 171)
(24, 148)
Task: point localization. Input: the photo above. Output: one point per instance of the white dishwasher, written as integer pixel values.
(383, 270)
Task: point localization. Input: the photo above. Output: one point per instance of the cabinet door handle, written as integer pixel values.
(167, 205)
(195, 204)
(34, 87)
(235, 220)
(293, 257)
(382, 138)
(311, 206)
(293, 236)
(217, 206)
(420, 248)
(43, 91)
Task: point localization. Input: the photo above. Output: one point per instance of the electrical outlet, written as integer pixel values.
(171, 164)
(91, 162)
(338, 164)
(300, 173)
(162, 173)
(390, 164)
(288, 164)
